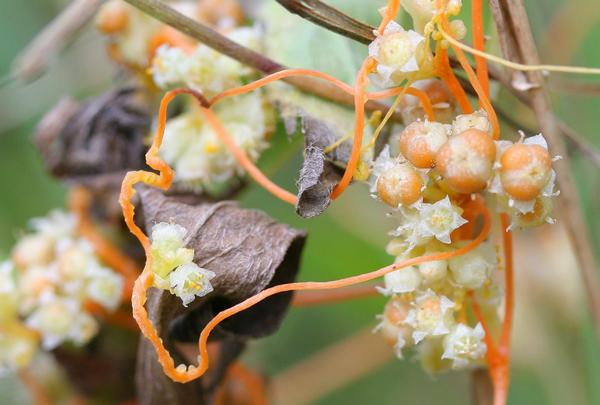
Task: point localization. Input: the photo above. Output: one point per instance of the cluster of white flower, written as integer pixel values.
(53, 272)
(134, 35)
(191, 146)
(172, 265)
(204, 69)
(427, 184)
(195, 151)
(429, 174)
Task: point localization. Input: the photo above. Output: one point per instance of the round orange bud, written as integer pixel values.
(399, 185)
(525, 170)
(466, 161)
(394, 314)
(220, 13)
(112, 17)
(420, 141)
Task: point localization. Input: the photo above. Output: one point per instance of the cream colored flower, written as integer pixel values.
(401, 281)
(476, 120)
(432, 315)
(167, 249)
(189, 281)
(396, 54)
(470, 270)
(105, 287)
(464, 345)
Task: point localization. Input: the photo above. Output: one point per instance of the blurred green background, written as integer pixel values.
(555, 359)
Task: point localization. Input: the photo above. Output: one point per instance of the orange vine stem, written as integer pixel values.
(359, 126)
(37, 392)
(421, 95)
(360, 99)
(191, 373)
(79, 202)
(243, 159)
(254, 386)
(278, 76)
(310, 298)
(479, 44)
(447, 75)
(483, 98)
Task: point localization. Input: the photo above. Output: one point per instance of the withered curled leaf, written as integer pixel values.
(248, 252)
(319, 174)
(97, 141)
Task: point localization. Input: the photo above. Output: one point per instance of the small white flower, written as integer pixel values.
(167, 66)
(439, 219)
(57, 224)
(167, 248)
(392, 327)
(75, 258)
(433, 271)
(470, 270)
(83, 328)
(430, 353)
(205, 69)
(401, 281)
(105, 287)
(54, 320)
(197, 153)
(464, 345)
(18, 345)
(431, 315)
(33, 250)
(395, 53)
(477, 120)
(383, 163)
(189, 281)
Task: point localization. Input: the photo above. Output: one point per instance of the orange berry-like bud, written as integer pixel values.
(525, 170)
(399, 185)
(394, 314)
(112, 18)
(466, 160)
(420, 141)
(220, 13)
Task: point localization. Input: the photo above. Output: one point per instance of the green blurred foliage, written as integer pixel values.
(347, 240)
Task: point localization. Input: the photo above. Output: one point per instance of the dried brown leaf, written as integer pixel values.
(319, 174)
(248, 251)
(96, 141)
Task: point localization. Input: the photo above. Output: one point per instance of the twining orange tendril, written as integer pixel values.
(360, 99)
(163, 180)
(243, 159)
(479, 44)
(254, 390)
(278, 76)
(484, 100)
(79, 202)
(498, 359)
(489, 341)
(310, 298)
(170, 36)
(37, 392)
(447, 75)
(118, 318)
(194, 372)
(420, 94)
